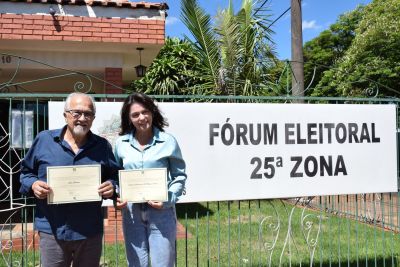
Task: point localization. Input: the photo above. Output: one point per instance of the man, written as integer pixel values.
(69, 232)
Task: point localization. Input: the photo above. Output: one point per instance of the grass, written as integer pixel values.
(229, 234)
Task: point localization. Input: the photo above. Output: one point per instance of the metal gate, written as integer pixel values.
(346, 230)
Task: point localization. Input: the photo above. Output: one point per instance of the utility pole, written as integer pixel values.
(297, 49)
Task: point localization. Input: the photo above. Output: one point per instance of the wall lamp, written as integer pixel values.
(140, 69)
(52, 11)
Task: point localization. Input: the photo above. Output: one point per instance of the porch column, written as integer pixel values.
(114, 77)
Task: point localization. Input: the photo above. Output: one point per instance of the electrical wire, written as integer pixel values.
(280, 16)
(261, 6)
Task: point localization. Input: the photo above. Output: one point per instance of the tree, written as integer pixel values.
(322, 52)
(173, 72)
(371, 65)
(235, 51)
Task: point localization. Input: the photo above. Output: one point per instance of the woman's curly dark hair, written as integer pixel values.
(158, 120)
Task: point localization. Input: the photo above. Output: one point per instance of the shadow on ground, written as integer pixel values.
(190, 209)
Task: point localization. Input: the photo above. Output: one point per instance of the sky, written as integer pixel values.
(317, 15)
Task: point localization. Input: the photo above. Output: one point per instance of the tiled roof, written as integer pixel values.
(105, 3)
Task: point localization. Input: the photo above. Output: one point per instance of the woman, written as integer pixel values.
(149, 228)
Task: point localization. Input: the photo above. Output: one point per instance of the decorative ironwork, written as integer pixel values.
(272, 226)
(79, 86)
(7, 244)
(8, 168)
(310, 234)
(372, 92)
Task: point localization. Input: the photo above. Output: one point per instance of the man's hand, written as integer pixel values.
(106, 189)
(40, 189)
(155, 204)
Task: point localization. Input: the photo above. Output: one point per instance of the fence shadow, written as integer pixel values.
(191, 209)
(379, 261)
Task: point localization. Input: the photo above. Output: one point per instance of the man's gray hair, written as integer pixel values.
(71, 95)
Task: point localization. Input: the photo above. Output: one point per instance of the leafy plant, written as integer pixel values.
(235, 51)
(172, 72)
(323, 52)
(371, 65)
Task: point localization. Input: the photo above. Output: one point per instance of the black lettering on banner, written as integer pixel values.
(353, 129)
(364, 133)
(255, 174)
(311, 167)
(293, 172)
(289, 133)
(269, 166)
(321, 134)
(227, 126)
(279, 162)
(311, 133)
(270, 134)
(255, 140)
(244, 133)
(298, 131)
(341, 139)
(310, 171)
(326, 166)
(241, 131)
(213, 133)
(374, 138)
(329, 127)
(340, 166)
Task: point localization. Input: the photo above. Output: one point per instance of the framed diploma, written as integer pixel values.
(69, 184)
(143, 185)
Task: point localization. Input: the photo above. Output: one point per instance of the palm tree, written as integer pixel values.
(234, 52)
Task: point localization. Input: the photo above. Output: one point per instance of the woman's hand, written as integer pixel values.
(155, 204)
(120, 205)
(106, 189)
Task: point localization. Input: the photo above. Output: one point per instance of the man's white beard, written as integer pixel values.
(80, 131)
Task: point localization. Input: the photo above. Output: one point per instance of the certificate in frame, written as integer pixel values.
(142, 185)
(71, 184)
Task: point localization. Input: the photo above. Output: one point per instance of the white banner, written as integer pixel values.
(257, 151)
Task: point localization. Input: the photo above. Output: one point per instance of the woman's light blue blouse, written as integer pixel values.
(162, 152)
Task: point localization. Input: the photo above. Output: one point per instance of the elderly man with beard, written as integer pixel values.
(69, 232)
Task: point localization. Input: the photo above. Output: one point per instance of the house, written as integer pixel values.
(105, 39)
(58, 47)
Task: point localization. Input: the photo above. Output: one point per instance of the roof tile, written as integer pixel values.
(105, 3)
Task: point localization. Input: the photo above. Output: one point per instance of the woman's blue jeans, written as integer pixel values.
(149, 233)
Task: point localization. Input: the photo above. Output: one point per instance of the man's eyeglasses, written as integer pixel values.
(76, 114)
